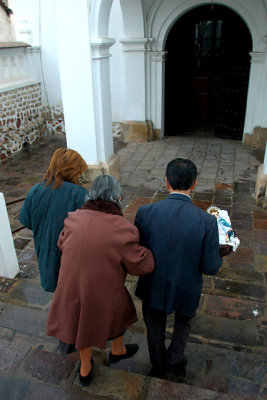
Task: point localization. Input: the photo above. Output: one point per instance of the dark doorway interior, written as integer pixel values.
(207, 72)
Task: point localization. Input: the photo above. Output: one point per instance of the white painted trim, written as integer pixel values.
(8, 86)
(100, 48)
(134, 44)
(9, 266)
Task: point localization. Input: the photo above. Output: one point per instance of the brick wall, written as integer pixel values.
(21, 118)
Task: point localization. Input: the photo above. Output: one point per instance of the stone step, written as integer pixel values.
(27, 373)
(117, 384)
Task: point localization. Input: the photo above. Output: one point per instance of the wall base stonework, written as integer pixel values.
(55, 119)
(139, 131)
(257, 139)
(111, 167)
(21, 118)
(261, 187)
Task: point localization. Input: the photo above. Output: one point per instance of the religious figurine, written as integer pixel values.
(226, 233)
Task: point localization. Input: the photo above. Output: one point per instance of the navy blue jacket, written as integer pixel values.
(185, 244)
(44, 211)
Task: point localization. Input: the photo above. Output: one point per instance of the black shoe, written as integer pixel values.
(178, 368)
(85, 380)
(131, 349)
(158, 371)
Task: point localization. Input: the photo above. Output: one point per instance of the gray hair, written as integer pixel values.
(107, 188)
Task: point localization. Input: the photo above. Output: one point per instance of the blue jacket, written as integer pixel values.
(44, 211)
(185, 244)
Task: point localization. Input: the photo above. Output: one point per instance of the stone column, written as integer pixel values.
(85, 85)
(254, 98)
(101, 87)
(9, 267)
(156, 85)
(135, 124)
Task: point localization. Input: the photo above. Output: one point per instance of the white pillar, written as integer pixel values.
(9, 267)
(102, 96)
(85, 84)
(134, 78)
(265, 160)
(155, 92)
(254, 97)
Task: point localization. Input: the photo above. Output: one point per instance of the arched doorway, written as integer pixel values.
(206, 73)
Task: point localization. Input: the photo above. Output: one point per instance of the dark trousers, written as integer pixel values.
(155, 321)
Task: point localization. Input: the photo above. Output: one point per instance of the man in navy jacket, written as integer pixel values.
(185, 243)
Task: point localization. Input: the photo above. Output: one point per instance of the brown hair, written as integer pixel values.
(65, 165)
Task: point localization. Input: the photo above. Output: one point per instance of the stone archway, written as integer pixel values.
(161, 18)
(206, 88)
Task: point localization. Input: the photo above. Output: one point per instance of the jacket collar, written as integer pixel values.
(178, 196)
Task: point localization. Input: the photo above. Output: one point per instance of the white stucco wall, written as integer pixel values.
(49, 56)
(116, 62)
(38, 28)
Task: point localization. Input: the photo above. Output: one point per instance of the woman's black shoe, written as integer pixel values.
(85, 380)
(131, 349)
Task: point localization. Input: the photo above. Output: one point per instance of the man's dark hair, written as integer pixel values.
(181, 173)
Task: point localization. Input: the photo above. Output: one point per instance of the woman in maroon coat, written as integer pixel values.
(91, 303)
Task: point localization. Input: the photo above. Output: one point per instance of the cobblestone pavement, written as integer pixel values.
(227, 353)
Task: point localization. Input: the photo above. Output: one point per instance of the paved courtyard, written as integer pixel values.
(227, 353)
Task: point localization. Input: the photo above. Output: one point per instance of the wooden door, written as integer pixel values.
(207, 71)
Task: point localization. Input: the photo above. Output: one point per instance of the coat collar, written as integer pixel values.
(178, 196)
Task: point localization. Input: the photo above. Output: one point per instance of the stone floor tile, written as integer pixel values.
(260, 214)
(249, 366)
(229, 307)
(232, 273)
(202, 204)
(242, 266)
(261, 242)
(237, 225)
(245, 390)
(223, 187)
(244, 333)
(27, 256)
(260, 224)
(242, 255)
(21, 243)
(260, 262)
(136, 204)
(130, 217)
(248, 290)
(14, 388)
(31, 295)
(54, 392)
(11, 354)
(6, 284)
(41, 343)
(29, 271)
(119, 385)
(23, 320)
(222, 202)
(165, 390)
(49, 367)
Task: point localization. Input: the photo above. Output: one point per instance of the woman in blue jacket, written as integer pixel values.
(47, 205)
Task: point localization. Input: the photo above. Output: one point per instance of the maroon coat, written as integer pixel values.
(91, 303)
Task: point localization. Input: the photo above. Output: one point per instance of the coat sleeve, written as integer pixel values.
(211, 260)
(136, 259)
(25, 212)
(138, 224)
